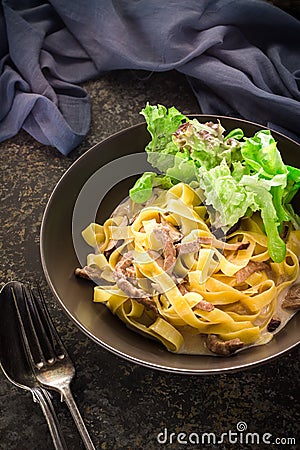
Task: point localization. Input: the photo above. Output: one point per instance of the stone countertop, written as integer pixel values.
(125, 406)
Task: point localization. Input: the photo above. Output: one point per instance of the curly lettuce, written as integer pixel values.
(238, 175)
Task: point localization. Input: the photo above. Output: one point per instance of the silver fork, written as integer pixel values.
(14, 362)
(47, 355)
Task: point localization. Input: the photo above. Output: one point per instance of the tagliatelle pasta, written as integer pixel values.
(165, 274)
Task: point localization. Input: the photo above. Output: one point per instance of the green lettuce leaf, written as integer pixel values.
(161, 124)
(229, 199)
(183, 169)
(263, 201)
(261, 154)
(143, 187)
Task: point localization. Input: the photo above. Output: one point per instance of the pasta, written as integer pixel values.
(160, 268)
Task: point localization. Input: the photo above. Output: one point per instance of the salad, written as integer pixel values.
(238, 175)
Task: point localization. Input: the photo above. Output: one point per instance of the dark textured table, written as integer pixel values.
(126, 406)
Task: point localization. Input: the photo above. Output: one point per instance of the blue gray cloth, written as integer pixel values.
(242, 59)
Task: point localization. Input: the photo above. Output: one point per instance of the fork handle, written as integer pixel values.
(42, 397)
(70, 402)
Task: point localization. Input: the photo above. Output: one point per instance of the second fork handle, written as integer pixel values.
(41, 396)
(70, 402)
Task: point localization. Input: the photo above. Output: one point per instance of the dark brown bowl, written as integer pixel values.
(107, 170)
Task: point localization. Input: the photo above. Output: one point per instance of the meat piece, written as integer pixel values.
(165, 234)
(274, 324)
(220, 347)
(125, 269)
(205, 306)
(156, 257)
(169, 253)
(82, 273)
(162, 233)
(194, 246)
(124, 275)
(134, 292)
(185, 248)
(174, 234)
(124, 264)
(88, 272)
(292, 298)
(252, 266)
(208, 240)
(182, 289)
(131, 272)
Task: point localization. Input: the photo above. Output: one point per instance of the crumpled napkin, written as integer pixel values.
(242, 59)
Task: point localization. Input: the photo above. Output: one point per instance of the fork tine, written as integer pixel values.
(52, 333)
(33, 349)
(38, 346)
(40, 328)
